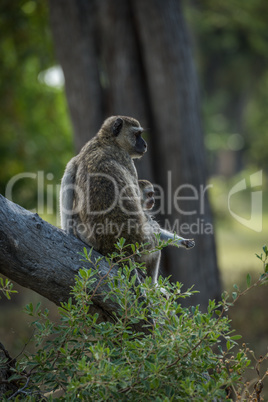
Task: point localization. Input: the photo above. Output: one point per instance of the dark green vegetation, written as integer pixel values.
(231, 43)
(35, 128)
(187, 355)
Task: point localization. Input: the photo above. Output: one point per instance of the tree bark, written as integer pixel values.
(178, 136)
(141, 64)
(41, 257)
(76, 50)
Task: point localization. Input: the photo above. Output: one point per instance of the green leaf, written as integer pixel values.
(85, 251)
(266, 268)
(63, 351)
(235, 337)
(265, 250)
(29, 309)
(121, 242)
(82, 273)
(37, 308)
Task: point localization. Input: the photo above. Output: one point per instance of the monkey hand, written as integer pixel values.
(188, 243)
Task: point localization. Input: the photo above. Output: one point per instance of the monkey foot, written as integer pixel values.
(188, 243)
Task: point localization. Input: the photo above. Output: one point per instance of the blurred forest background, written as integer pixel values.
(230, 44)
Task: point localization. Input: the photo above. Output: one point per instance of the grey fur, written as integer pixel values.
(67, 197)
(103, 175)
(147, 198)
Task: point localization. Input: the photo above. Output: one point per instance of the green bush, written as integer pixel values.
(183, 354)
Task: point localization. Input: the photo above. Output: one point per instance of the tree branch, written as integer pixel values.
(39, 256)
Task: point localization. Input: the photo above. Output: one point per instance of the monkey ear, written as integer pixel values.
(117, 126)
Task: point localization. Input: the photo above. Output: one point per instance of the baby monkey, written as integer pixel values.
(147, 202)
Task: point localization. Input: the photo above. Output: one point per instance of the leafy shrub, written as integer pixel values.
(182, 354)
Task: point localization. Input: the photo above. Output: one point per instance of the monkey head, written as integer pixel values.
(147, 195)
(126, 132)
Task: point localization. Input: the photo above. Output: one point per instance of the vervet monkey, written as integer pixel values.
(100, 197)
(147, 194)
(147, 202)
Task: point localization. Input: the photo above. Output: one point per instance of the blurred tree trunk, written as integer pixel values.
(133, 57)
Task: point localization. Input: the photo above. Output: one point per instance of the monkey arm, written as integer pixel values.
(178, 241)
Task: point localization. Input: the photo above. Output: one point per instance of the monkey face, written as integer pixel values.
(127, 133)
(149, 200)
(140, 144)
(136, 145)
(147, 194)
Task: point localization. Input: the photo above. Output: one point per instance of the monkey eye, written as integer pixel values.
(138, 132)
(151, 194)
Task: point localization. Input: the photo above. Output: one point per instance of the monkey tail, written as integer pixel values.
(67, 197)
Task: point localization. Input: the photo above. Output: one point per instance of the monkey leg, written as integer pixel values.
(152, 262)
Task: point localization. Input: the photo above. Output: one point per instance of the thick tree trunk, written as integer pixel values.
(74, 36)
(178, 139)
(41, 257)
(137, 54)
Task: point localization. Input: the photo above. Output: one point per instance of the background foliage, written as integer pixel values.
(231, 48)
(35, 127)
(231, 42)
(187, 355)
(231, 52)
